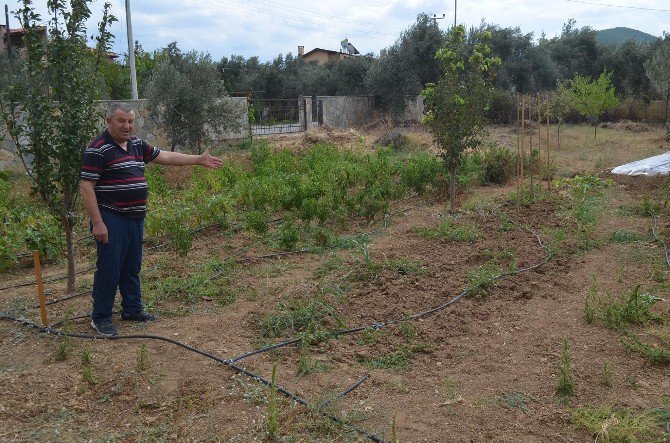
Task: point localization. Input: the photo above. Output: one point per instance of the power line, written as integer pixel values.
(319, 25)
(618, 6)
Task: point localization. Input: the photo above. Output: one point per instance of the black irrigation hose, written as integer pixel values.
(49, 280)
(423, 314)
(660, 240)
(228, 363)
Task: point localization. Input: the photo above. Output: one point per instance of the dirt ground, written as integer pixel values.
(482, 370)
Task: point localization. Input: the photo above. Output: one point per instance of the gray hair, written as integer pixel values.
(115, 106)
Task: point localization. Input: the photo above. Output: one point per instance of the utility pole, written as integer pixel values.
(8, 37)
(131, 53)
(455, 1)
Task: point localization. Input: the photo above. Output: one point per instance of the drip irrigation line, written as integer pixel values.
(49, 280)
(229, 363)
(423, 314)
(346, 391)
(660, 240)
(69, 297)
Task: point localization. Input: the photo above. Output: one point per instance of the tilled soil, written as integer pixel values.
(482, 369)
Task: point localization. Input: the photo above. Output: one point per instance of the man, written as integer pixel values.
(114, 191)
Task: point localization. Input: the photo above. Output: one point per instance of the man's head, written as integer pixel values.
(120, 121)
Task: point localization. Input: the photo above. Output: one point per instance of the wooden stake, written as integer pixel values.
(523, 135)
(518, 146)
(548, 143)
(40, 287)
(530, 146)
(539, 140)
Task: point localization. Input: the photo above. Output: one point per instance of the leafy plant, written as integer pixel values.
(592, 98)
(142, 361)
(454, 107)
(606, 376)
(58, 80)
(87, 370)
(296, 315)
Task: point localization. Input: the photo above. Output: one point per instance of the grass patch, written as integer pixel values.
(618, 425)
(397, 360)
(451, 231)
(618, 313)
(658, 352)
(310, 315)
(481, 280)
(623, 236)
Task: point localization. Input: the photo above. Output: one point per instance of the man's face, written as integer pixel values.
(120, 125)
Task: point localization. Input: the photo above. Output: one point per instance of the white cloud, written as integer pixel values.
(266, 28)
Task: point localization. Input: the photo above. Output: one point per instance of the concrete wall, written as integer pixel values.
(347, 111)
(145, 128)
(413, 110)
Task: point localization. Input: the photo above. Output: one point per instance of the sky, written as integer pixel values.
(267, 28)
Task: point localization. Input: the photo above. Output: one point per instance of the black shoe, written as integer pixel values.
(104, 327)
(143, 317)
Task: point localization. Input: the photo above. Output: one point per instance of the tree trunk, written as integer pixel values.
(667, 99)
(452, 188)
(69, 240)
(595, 131)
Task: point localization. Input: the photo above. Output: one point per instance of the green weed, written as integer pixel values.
(296, 315)
(451, 231)
(87, 370)
(273, 408)
(518, 400)
(606, 376)
(396, 360)
(566, 380)
(142, 360)
(635, 309)
(616, 425)
(644, 208)
(307, 365)
(658, 352)
(623, 236)
(481, 280)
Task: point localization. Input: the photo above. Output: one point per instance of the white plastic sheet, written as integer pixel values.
(656, 165)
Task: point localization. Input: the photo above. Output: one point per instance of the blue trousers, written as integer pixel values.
(118, 266)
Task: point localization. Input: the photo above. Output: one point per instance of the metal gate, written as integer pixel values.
(276, 116)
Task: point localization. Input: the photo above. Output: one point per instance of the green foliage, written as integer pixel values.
(396, 360)
(87, 369)
(481, 280)
(407, 66)
(635, 309)
(658, 71)
(56, 81)
(455, 105)
(623, 236)
(189, 289)
(618, 425)
(657, 353)
(452, 231)
(499, 165)
(566, 381)
(185, 95)
(297, 315)
(592, 98)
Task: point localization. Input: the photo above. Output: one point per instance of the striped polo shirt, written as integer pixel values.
(120, 185)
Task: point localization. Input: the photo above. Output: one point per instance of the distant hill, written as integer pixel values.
(617, 36)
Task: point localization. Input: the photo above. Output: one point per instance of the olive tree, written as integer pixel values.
(185, 96)
(455, 106)
(592, 98)
(658, 71)
(50, 110)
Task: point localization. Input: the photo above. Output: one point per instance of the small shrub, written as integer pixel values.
(288, 235)
(87, 367)
(499, 165)
(632, 310)
(658, 353)
(481, 280)
(257, 221)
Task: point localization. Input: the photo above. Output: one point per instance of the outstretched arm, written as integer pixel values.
(179, 159)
